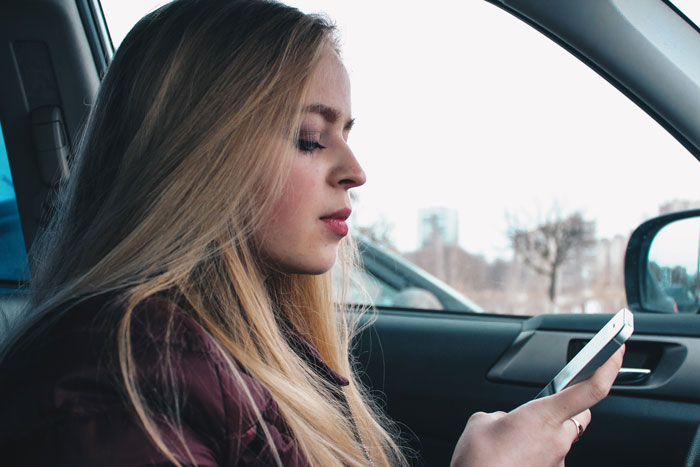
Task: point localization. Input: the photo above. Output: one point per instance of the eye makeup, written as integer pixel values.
(308, 141)
(306, 145)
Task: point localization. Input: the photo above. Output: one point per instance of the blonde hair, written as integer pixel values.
(184, 152)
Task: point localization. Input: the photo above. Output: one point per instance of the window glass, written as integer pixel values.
(482, 139)
(121, 15)
(13, 254)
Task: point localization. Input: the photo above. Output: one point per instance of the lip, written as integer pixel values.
(336, 221)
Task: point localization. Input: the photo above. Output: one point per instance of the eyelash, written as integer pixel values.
(309, 145)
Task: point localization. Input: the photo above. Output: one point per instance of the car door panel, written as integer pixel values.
(431, 370)
(436, 369)
(664, 367)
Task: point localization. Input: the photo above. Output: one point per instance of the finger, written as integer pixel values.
(584, 418)
(477, 417)
(576, 425)
(586, 394)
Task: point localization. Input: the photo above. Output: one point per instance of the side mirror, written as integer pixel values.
(662, 264)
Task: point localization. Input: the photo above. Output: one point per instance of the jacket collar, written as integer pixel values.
(309, 353)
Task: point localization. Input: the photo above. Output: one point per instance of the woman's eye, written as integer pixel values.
(309, 145)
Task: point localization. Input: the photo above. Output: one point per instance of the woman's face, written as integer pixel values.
(308, 220)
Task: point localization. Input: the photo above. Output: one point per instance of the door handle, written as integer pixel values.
(632, 375)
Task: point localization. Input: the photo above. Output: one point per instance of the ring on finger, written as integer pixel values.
(579, 428)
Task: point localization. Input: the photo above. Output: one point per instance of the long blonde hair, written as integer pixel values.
(185, 150)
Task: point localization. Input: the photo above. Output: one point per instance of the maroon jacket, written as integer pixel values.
(62, 402)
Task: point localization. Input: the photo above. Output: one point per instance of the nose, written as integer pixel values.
(348, 173)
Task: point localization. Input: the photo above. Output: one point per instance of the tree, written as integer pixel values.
(549, 245)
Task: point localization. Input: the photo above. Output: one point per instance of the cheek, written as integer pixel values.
(286, 231)
(299, 195)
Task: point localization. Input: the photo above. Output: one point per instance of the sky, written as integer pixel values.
(460, 105)
(664, 249)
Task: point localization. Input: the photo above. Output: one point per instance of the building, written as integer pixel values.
(437, 226)
(678, 205)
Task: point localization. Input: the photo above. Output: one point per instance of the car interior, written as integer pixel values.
(430, 368)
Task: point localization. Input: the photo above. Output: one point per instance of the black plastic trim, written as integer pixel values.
(98, 38)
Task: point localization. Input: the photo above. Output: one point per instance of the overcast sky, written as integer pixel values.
(458, 104)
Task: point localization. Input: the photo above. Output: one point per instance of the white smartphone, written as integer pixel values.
(596, 352)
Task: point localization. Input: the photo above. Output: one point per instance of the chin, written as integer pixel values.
(319, 264)
(317, 268)
(320, 261)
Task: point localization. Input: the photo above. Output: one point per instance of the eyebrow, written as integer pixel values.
(329, 114)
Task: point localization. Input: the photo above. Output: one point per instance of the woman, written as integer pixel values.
(182, 310)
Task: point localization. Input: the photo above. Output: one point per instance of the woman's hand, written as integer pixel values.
(539, 433)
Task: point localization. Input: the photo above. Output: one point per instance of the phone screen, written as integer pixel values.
(596, 352)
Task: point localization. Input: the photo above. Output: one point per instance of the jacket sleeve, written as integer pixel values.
(85, 419)
(231, 418)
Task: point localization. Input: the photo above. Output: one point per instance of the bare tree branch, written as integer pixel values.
(550, 244)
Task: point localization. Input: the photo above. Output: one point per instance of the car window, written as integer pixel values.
(487, 148)
(13, 255)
